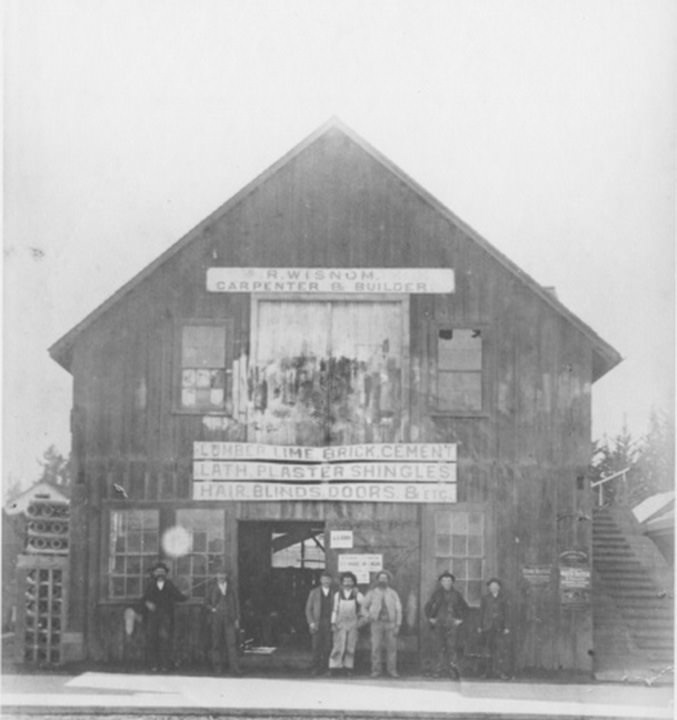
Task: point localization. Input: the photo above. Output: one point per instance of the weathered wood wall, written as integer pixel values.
(334, 205)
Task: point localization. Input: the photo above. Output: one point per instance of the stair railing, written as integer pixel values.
(603, 481)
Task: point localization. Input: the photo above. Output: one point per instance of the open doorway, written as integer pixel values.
(279, 563)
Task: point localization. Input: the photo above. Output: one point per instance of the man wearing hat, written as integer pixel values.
(223, 611)
(384, 610)
(158, 601)
(494, 627)
(446, 610)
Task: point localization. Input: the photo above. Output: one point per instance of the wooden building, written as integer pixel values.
(333, 370)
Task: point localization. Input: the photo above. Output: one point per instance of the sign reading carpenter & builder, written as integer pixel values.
(438, 281)
(408, 472)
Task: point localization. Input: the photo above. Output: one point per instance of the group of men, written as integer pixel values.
(334, 618)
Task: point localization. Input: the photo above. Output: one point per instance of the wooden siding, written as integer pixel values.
(334, 205)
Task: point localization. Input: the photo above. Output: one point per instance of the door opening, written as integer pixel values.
(279, 563)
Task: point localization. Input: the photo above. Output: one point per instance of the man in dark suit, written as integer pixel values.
(446, 611)
(223, 611)
(495, 629)
(158, 601)
(318, 616)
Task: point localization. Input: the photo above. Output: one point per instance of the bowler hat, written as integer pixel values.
(446, 573)
(160, 566)
(494, 580)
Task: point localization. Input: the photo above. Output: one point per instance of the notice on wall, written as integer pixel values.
(341, 539)
(408, 452)
(438, 281)
(537, 575)
(339, 492)
(361, 565)
(575, 586)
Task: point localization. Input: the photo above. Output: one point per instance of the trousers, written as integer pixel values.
(322, 642)
(224, 637)
(383, 637)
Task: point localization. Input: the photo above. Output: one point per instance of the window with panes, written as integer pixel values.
(205, 359)
(197, 567)
(460, 548)
(458, 387)
(133, 549)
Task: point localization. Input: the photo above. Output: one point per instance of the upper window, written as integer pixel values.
(205, 366)
(459, 370)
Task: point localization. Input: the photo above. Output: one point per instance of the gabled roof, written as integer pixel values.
(42, 490)
(605, 356)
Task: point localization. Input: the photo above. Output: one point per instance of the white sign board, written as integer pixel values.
(439, 281)
(393, 472)
(408, 452)
(343, 492)
(341, 539)
(360, 565)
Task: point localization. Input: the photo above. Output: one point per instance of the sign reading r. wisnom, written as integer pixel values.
(411, 281)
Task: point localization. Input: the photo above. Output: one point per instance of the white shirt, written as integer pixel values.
(222, 587)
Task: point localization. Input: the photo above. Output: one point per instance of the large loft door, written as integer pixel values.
(327, 372)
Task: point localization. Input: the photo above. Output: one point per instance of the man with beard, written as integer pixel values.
(384, 610)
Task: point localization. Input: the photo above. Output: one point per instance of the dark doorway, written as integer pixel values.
(279, 563)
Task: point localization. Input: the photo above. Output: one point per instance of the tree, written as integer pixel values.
(650, 461)
(613, 456)
(657, 460)
(55, 467)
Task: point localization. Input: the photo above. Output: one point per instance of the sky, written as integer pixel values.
(549, 127)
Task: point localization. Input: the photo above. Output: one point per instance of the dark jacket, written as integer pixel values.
(445, 606)
(494, 612)
(314, 606)
(164, 599)
(227, 605)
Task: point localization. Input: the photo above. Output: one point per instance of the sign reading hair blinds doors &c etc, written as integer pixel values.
(385, 472)
(439, 281)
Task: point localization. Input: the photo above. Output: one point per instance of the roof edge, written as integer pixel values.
(610, 357)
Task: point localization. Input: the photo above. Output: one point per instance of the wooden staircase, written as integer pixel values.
(632, 609)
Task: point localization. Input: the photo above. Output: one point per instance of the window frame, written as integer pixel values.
(485, 558)
(177, 367)
(433, 353)
(167, 518)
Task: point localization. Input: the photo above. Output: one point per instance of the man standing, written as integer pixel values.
(318, 616)
(345, 620)
(158, 600)
(446, 611)
(384, 609)
(494, 626)
(224, 614)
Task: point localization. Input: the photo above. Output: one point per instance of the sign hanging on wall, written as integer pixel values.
(361, 565)
(338, 492)
(438, 281)
(411, 452)
(341, 539)
(382, 472)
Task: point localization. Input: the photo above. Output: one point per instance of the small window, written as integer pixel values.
(134, 544)
(459, 548)
(208, 543)
(205, 367)
(459, 370)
